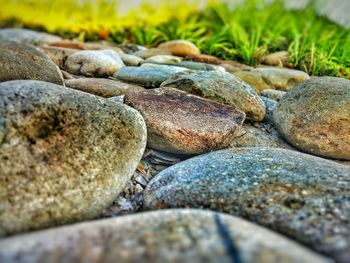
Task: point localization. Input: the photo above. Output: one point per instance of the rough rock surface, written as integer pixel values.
(100, 63)
(315, 117)
(254, 79)
(302, 196)
(281, 78)
(22, 61)
(273, 94)
(64, 154)
(131, 60)
(144, 76)
(58, 55)
(26, 36)
(220, 87)
(180, 48)
(102, 87)
(182, 123)
(163, 236)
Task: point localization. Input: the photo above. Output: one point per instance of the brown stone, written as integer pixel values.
(254, 79)
(102, 87)
(180, 48)
(68, 44)
(203, 58)
(186, 124)
(278, 59)
(58, 54)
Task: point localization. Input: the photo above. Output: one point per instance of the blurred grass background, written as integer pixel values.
(242, 31)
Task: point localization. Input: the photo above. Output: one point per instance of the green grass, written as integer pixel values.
(246, 33)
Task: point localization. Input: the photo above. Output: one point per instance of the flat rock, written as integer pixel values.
(299, 195)
(273, 94)
(131, 60)
(253, 78)
(163, 59)
(22, 61)
(26, 36)
(282, 78)
(220, 87)
(182, 123)
(146, 53)
(102, 87)
(180, 48)
(100, 63)
(146, 77)
(164, 68)
(315, 117)
(65, 155)
(191, 236)
(203, 58)
(196, 66)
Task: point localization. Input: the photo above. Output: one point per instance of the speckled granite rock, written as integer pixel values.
(21, 61)
(273, 94)
(100, 63)
(102, 87)
(281, 78)
(65, 155)
(182, 123)
(164, 236)
(180, 48)
(270, 106)
(26, 36)
(147, 77)
(221, 87)
(299, 195)
(315, 117)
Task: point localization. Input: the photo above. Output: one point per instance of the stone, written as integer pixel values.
(278, 59)
(253, 78)
(181, 48)
(146, 77)
(282, 78)
(315, 117)
(164, 68)
(162, 59)
(131, 48)
(131, 60)
(100, 63)
(204, 59)
(251, 136)
(26, 36)
(58, 55)
(65, 155)
(21, 61)
(221, 87)
(102, 87)
(118, 99)
(273, 94)
(270, 106)
(188, 236)
(146, 53)
(299, 195)
(72, 44)
(196, 66)
(182, 123)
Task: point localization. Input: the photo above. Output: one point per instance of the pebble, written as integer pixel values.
(254, 79)
(273, 94)
(270, 106)
(65, 155)
(131, 60)
(26, 36)
(181, 48)
(278, 59)
(188, 236)
(147, 53)
(182, 123)
(22, 61)
(102, 87)
(100, 63)
(299, 195)
(162, 59)
(58, 54)
(204, 59)
(221, 87)
(164, 68)
(146, 77)
(315, 117)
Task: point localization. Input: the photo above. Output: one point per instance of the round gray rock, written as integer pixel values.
(315, 117)
(220, 87)
(191, 236)
(182, 123)
(21, 61)
(299, 195)
(65, 155)
(26, 36)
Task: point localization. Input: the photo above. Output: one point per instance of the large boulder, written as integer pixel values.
(65, 155)
(315, 117)
(21, 61)
(188, 236)
(299, 195)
